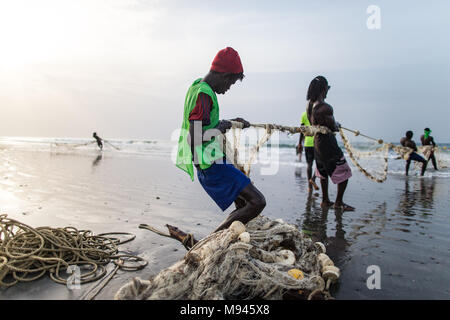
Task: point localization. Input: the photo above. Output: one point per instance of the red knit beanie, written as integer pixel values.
(227, 61)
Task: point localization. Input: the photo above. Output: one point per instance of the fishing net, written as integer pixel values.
(244, 156)
(71, 146)
(266, 259)
(439, 154)
(371, 155)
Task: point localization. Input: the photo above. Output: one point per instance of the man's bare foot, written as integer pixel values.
(343, 207)
(187, 240)
(326, 204)
(313, 183)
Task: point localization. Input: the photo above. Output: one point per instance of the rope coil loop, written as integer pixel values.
(3, 262)
(27, 253)
(120, 261)
(118, 242)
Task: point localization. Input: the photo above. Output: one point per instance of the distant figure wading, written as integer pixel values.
(309, 152)
(99, 140)
(408, 142)
(428, 140)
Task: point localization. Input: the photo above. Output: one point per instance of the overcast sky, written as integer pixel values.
(122, 67)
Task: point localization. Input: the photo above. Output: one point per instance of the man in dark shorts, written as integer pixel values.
(309, 152)
(428, 140)
(330, 160)
(408, 142)
(201, 143)
(99, 140)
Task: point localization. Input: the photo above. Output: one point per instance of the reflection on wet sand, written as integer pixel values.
(415, 198)
(97, 160)
(315, 221)
(401, 228)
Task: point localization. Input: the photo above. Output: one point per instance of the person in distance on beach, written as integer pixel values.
(330, 160)
(408, 142)
(309, 152)
(201, 145)
(428, 140)
(99, 140)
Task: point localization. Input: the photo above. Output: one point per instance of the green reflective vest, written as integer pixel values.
(309, 141)
(208, 151)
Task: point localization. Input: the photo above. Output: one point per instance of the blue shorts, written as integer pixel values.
(223, 182)
(414, 156)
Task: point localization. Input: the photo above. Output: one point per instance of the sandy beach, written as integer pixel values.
(400, 225)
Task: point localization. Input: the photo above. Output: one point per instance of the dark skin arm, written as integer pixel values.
(300, 143)
(222, 126)
(405, 142)
(411, 144)
(427, 141)
(194, 140)
(402, 141)
(324, 117)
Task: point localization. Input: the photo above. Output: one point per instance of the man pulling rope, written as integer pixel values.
(201, 144)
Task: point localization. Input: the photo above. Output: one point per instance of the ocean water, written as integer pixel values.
(276, 152)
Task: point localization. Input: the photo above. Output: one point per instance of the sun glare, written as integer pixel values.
(37, 31)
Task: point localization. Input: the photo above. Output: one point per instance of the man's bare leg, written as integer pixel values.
(424, 167)
(181, 236)
(325, 199)
(408, 163)
(254, 205)
(433, 161)
(309, 175)
(239, 202)
(249, 204)
(312, 182)
(339, 204)
(311, 178)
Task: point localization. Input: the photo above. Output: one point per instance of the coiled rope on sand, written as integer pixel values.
(28, 253)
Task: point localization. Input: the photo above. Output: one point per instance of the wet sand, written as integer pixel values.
(400, 225)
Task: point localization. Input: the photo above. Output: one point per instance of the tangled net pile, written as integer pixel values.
(242, 262)
(27, 253)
